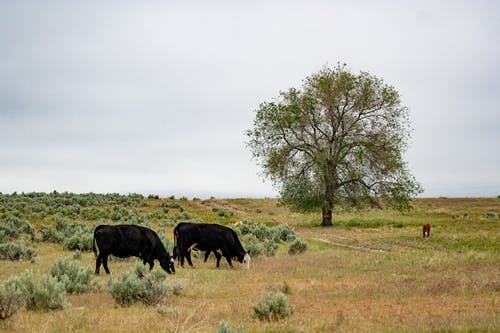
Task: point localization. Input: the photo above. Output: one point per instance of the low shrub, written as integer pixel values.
(61, 222)
(261, 239)
(127, 290)
(173, 204)
(167, 310)
(270, 247)
(73, 237)
(12, 228)
(491, 215)
(16, 250)
(285, 288)
(94, 213)
(279, 233)
(272, 307)
(225, 213)
(140, 285)
(75, 279)
(77, 255)
(226, 327)
(51, 235)
(297, 246)
(78, 237)
(252, 244)
(154, 288)
(10, 301)
(283, 233)
(39, 292)
(259, 230)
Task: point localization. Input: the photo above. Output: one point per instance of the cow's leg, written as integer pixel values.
(207, 254)
(228, 259)
(98, 262)
(105, 264)
(181, 258)
(188, 258)
(223, 251)
(218, 256)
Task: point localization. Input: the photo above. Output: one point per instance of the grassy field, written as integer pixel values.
(371, 272)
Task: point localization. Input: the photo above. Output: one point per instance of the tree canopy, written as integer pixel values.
(338, 140)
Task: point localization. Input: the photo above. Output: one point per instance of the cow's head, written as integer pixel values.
(167, 263)
(245, 259)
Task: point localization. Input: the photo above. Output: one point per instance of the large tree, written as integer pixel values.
(338, 140)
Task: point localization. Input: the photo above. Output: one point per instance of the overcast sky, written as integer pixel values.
(155, 96)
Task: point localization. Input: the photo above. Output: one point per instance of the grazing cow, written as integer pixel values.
(218, 253)
(128, 240)
(426, 230)
(216, 238)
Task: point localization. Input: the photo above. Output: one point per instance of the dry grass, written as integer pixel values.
(381, 278)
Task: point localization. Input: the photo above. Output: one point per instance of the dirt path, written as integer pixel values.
(360, 248)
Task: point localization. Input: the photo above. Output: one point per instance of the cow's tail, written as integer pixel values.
(176, 252)
(93, 246)
(94, 249)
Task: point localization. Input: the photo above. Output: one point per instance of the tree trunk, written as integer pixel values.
(327, 217)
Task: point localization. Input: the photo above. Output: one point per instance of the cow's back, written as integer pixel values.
(207, 236)
(122, 240)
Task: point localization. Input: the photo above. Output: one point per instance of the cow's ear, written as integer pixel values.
(248, 252)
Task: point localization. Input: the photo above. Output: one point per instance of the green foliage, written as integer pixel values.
(223, 212)
(270, 247)
(39, 292)
(226, 327)
(37, 206)
(252, 244)
(78, 237)
(127, 290)
(172, 204)
(492, 215)
(13, 227)
(279, 233)
(297, 246)
(75, 279)
(10, 301)
(337, 140)
(139, 285)
(166, 310)
(283, 232)
(16, 250)
(285, 288)
(51, 235)
(272, 307)
(94, 214)
(77, 255)
(260, 239)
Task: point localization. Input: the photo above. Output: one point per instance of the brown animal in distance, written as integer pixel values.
(426, 230)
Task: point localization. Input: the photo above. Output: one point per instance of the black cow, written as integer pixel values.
(130, 240)
(216, 238)
(187, 253)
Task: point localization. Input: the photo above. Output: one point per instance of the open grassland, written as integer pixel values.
(371, 272)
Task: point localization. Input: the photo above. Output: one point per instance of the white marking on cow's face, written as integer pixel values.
(246, 261)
